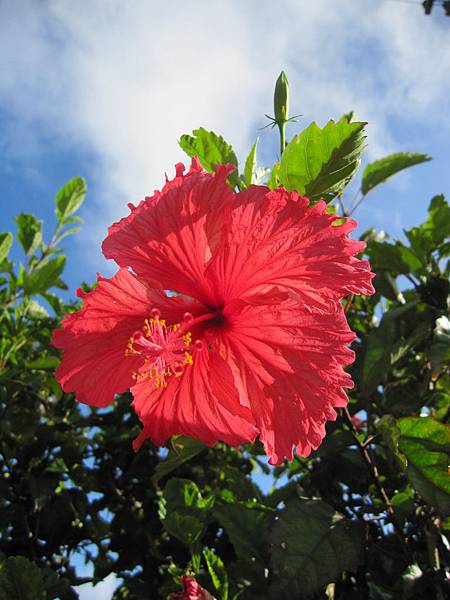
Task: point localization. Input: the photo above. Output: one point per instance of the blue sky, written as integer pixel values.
(106, 93)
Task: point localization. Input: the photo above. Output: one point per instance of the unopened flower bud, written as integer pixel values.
(281, 99)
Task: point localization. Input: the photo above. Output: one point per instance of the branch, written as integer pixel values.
(362, 447)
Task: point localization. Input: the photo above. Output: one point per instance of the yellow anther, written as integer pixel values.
(163, 349)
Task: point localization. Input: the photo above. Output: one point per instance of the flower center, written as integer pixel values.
(164, 348)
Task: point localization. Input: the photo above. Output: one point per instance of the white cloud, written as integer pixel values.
(123, 80)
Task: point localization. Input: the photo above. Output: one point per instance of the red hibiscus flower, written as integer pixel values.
(191, 591)
(254, 340)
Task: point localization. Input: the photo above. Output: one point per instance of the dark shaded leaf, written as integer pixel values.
(435, 231)
(20, 579)
(182, 449)
(387, 344)
(311, 546)
(395, 259)
(247, 529)
(391, 435)
(184, 511)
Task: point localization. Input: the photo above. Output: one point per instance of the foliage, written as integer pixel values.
(366, 516)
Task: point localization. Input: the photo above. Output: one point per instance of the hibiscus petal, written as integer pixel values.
(94, 339)
(287, 362)
(276, 239)
(202, 403)
(169, 238)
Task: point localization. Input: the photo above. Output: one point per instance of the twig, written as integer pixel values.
(355, 202)
(431, 535)
(369, 440)
(412, 281)
(349, 303)
(370, 464)
(341, 204)
(373, 470)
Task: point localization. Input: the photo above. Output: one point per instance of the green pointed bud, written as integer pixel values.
(281, 99)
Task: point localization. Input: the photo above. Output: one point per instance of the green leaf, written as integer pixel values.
(211, 149)
(29, 232)
(403, 396)
(218, 573)
(69, 198)
(57, 587)
(425, 442)
(246, 527)
(274, 181)
(391, 435)
(182, 449)
(396, 259)
(67, 232)
(434, 232)
(20, 579)
(44, 277)
(380, 170)
(47, 362)
(388, 343)
(183, 510)
(403, 502)
(386, 285)
(6, 240)
(56, 303)
(240, 485)
(319, 163)
(250, 165)
(311, 546)
(437, 224)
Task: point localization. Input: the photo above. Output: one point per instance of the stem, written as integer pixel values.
(370, 463)
(415, 284)
(282, 128)
(348, 303)
(355, 202)
(342, 206)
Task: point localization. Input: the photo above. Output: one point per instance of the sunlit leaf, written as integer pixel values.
(70, 198)
(250, 165)
(217, 572)
(45, 276)
(380, 170)
(29, 232)
(319, 163)
(211, 149)
(6, 240)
